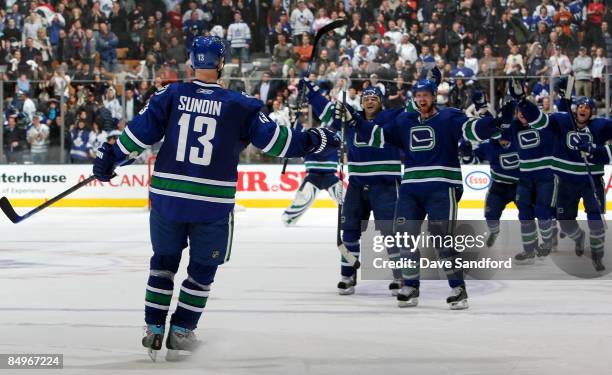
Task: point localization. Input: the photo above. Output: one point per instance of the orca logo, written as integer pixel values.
(509, 161)
(528, 138)
(574, 138)
(422, 138)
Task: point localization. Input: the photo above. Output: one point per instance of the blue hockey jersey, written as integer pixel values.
(204, 128)
(430, 146)
(366, 165)
(566, 161)
(535, 148)
(320, 163)
(503, 161)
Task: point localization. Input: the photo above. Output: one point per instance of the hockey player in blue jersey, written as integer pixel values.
(374, 175)
(193, 185)
(432, 182)
(504, 161)
(321, 174)
(569, 166)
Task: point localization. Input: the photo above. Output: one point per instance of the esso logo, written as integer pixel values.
(477, 180)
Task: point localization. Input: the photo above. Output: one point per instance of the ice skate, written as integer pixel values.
(555, 239)
(346, 286)
(579, 248)
(153, 339)
(491, 239)
(543, 250)
(180, 339)
(395, 286)
(408, 296)
(525, 258)
(597, 263)
(458, 300)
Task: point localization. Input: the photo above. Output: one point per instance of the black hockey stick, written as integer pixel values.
(9, 211)
(346, 254)
(322, 31)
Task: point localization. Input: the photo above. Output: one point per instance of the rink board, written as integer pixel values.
(259, 186)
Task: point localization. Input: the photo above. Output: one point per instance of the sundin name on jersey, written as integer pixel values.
(203, 106)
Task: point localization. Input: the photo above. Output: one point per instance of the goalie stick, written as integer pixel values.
(322, 31)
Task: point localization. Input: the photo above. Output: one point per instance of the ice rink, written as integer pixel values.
(73, 282)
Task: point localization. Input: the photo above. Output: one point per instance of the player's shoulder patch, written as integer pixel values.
(162, 90)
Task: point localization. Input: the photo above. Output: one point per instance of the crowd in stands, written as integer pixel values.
(89, 66)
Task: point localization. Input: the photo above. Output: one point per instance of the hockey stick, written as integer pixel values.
(9, 211)
(322, 31)
(568, 103)
(346, 254)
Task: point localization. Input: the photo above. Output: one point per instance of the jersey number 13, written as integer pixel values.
(197, 155)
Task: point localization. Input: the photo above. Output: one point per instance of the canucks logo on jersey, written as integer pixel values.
(422, 138)
(529, 138)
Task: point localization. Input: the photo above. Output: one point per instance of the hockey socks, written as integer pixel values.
(191, 303)
(158, 296)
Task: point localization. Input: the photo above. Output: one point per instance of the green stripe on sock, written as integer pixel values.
(158, 298)
(194, 301)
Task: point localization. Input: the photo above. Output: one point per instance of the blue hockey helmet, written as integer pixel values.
(372, 91)
(425, 85)
(586, 100)
(207, 52)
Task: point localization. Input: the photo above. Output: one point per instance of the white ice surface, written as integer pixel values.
(72, 281)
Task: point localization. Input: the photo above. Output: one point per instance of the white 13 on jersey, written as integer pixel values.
(197, 155)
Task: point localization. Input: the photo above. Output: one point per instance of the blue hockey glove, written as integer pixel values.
(516, 89)
(585, 146)
(436, 75)
(479, 100)
(305, 83)
(322, 141)
(347, 111)
(104, 164)
(506, 115)
(560, 86)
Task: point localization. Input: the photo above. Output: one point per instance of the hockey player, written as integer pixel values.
(504, 168)
(572, 173)
(320, 175)
(374, 175)
(193, 185)
(432, 182)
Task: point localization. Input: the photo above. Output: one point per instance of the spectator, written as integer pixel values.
(29, 107)
(88, 50)
(398, 93)
(280, 114)
(454, 40)
(106, 43)
(282, 50)
(594, 25)
(541, 35)
(607, 39)
(29, 52)
(15, 142)
(176, 52)
(265, 90)
(470, 61)
(97, 137)
(488, 59)
(543, 16)
(560, 63)
(60, 82)
(459, 95)
(599, 64)
(582, 67)
(31, 26)
(301, 21)
(132, 104)
(550, 9)
(112, 104)
(514, 62)
(303, 51)
(536, 63)
(38, 138)
(387, 53)
(79, 143)
(406, 51)
(23, 84)
(320, 21)
(239, 35)
(547, 107)
(118, 22)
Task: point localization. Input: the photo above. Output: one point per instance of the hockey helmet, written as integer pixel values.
(425, 85)
(586, 100)
(372, 91)
(207, 52)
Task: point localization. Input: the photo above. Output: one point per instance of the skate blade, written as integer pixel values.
(412, 302)
(347, 291)
(459, 305)
(152, 354)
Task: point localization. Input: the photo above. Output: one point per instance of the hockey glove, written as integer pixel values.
(104, 164)
(506, 115)
(346, 113)
(436, 75)
(322, 141)
(307, 84)
(560, 86)
(586, 147)
(517, 91)
(465, 149)
(479, 100)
